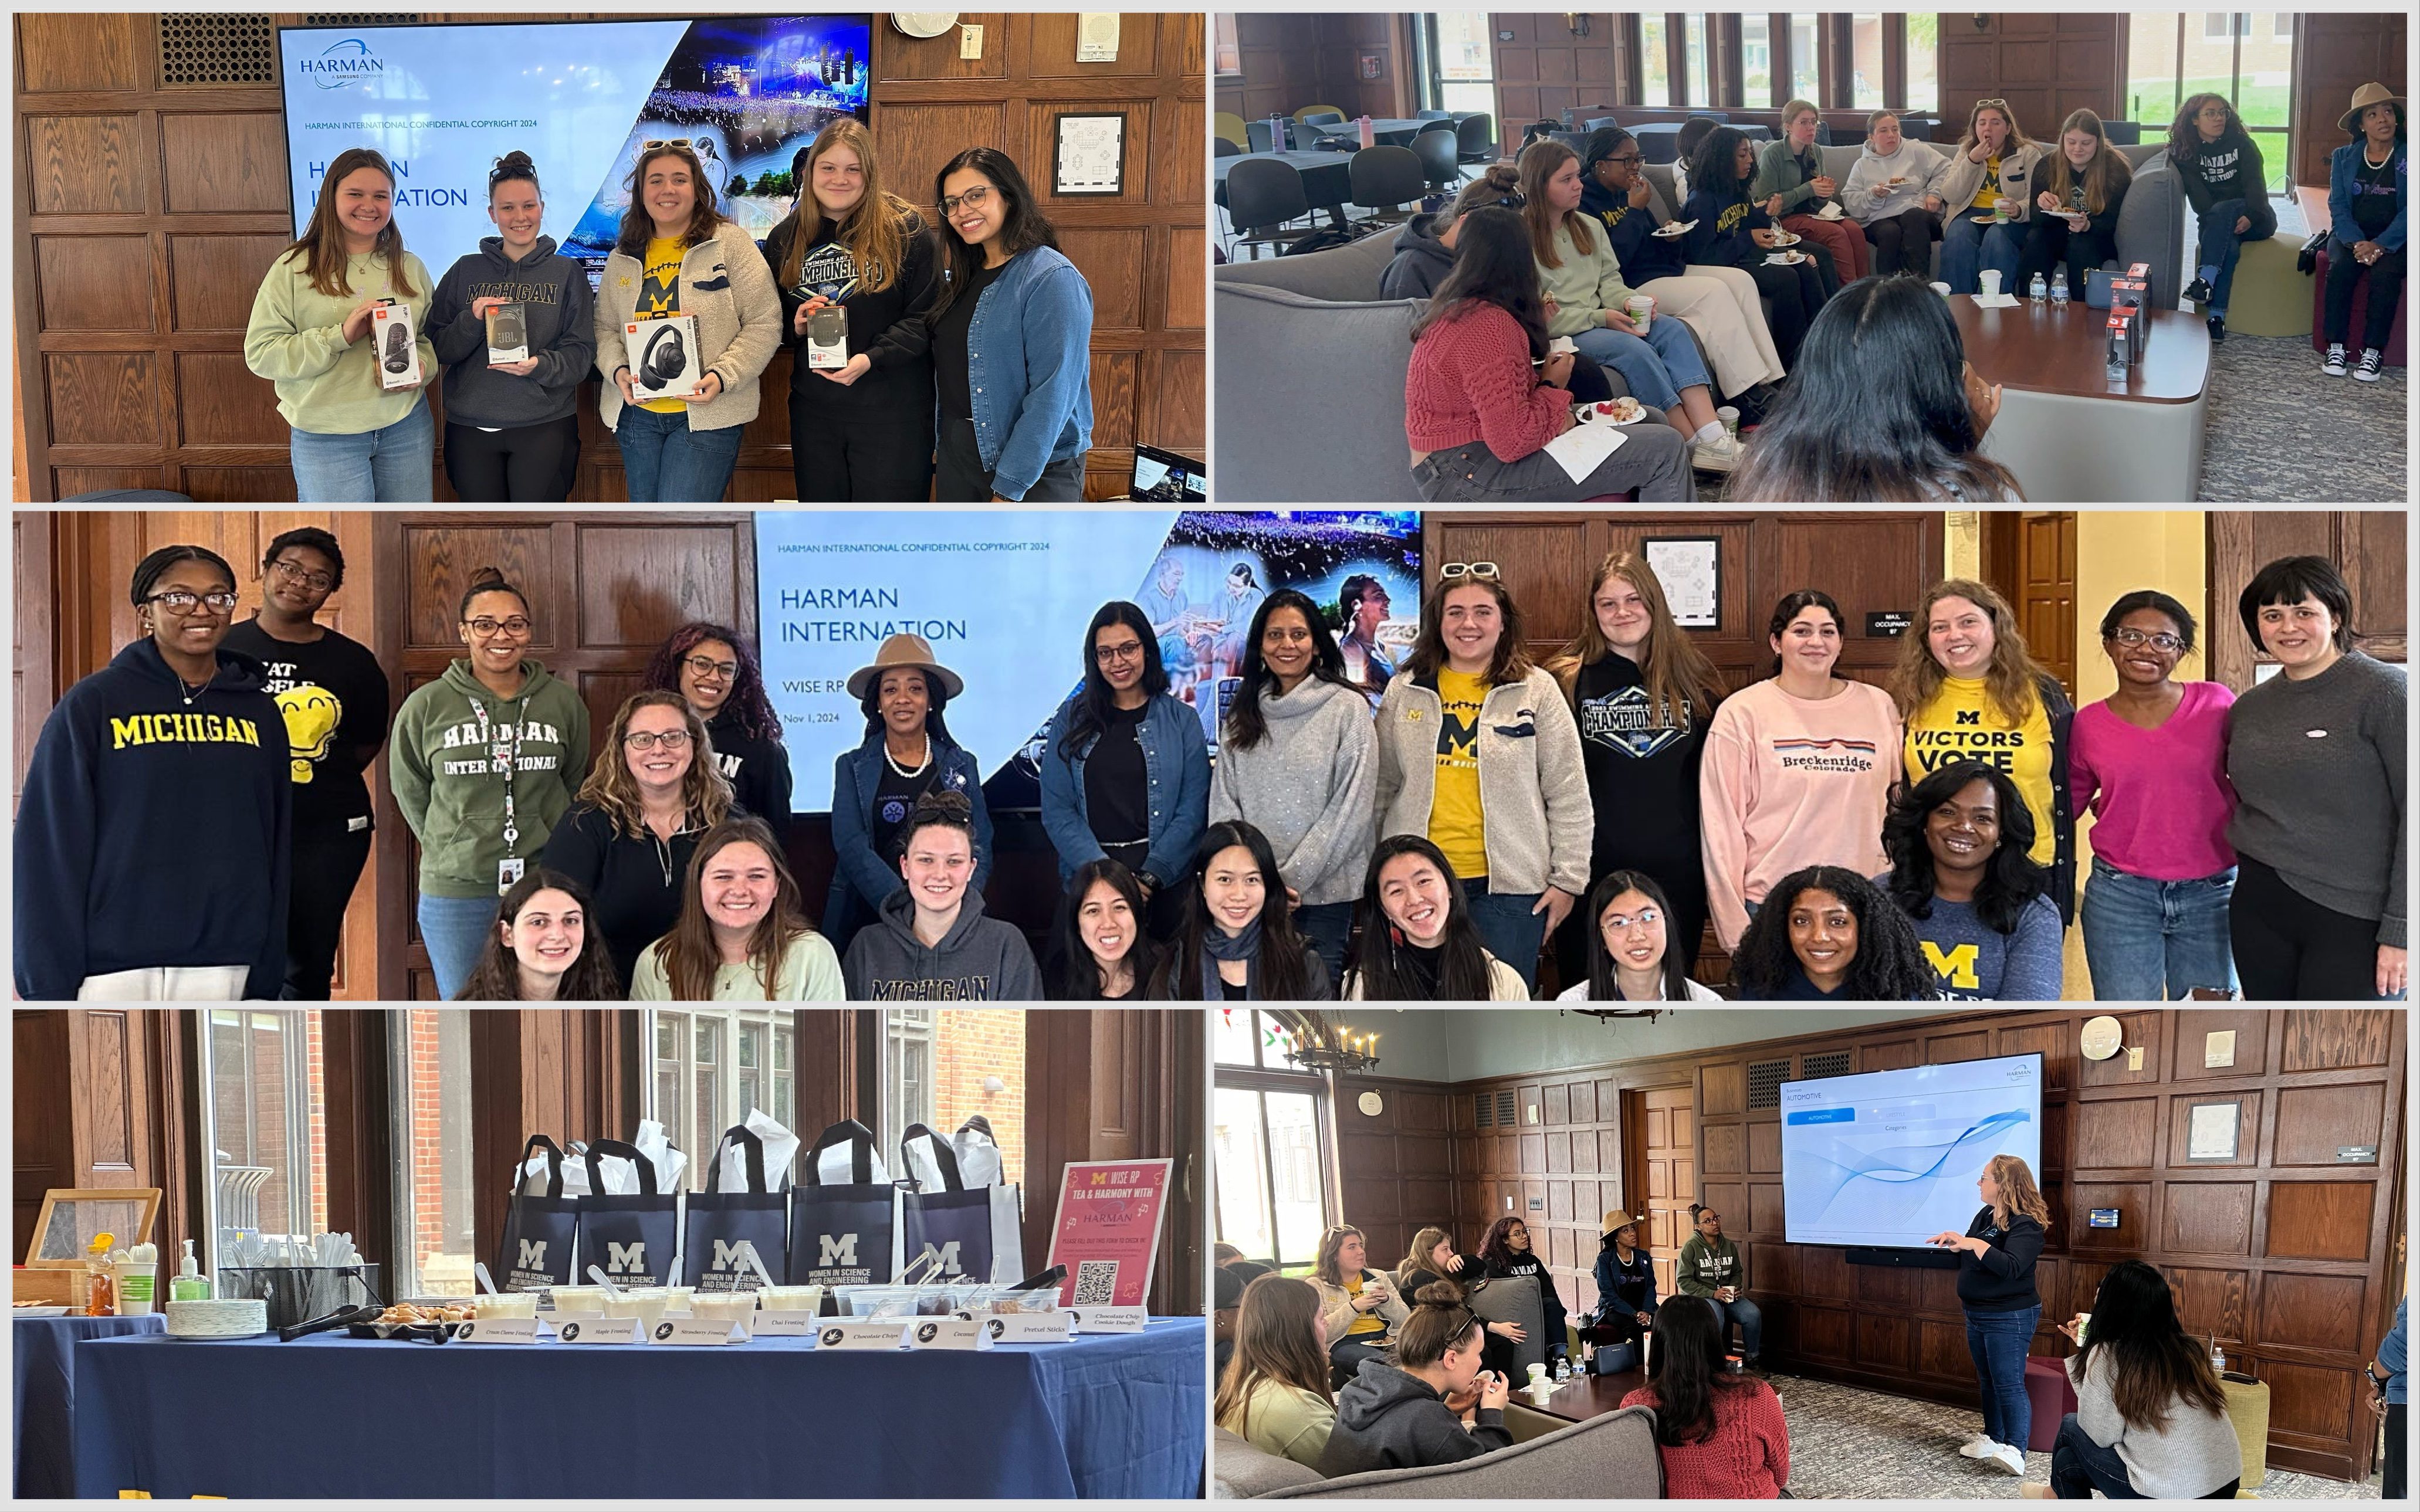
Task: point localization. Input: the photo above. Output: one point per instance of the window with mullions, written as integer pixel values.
(2247, 56)
(1805, 62)
(711, 1066)
(268, 1122)
(430, 1073)
(1655, 61)
(1267, 1162)
(1923, 62)
(1461, 57)
(1756, 61)
(1695, 56)
(1229, 47)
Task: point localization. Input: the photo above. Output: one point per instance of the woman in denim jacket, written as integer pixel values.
(1012, 344)
(1125, 772)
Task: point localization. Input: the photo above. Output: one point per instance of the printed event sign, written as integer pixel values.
(1107, 1230)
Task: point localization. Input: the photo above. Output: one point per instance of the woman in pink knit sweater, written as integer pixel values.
(1482, 398)
(1721, 1435)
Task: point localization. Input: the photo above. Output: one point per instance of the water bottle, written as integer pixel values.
(1562, 1369)
(2038, 290)
(2059, 290)
(2217, 1359)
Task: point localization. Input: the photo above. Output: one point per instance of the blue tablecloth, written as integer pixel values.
(1106, 1416)
(44, 1349)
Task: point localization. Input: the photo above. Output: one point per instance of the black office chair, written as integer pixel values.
(1317, 119)
(1440, 156)
(1598, 123)
(1220, 147)
(1385, 179)
(1257, 134)
(1477, 135)
(1261, 196)
(2123, 133)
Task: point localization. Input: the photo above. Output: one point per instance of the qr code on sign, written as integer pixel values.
(1096, 1283)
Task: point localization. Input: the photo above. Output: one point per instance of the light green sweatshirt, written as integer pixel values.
(296, 340)
(809, 973)
(1586, 283)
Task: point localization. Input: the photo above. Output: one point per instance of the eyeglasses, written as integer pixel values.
(650, 739)
(1623, 157)
(1458, 571)
(709, 667)
(1619, 922)
(2158, 640)
(318, 582)
(1123, 651)
(180, 601)
(973, 199)
(485, 627)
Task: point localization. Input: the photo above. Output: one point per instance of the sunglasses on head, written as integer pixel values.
(1458, 571)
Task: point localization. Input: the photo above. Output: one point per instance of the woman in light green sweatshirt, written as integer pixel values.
(355, 440)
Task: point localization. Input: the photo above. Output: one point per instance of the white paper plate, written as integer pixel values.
(1785, 259)
(1829, 212)
(1675, 229)
(38, 1312)
(217, 1317)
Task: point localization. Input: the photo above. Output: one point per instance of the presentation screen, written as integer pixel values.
(581, 98)
(1889, 1158)
(1004, 599)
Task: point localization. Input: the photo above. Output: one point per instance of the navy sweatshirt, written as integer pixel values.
(2001, 1279)
(1642, 254)
(562, 336)
(154, 830)
(886, 324)
(1723, 220)
(2228, 168)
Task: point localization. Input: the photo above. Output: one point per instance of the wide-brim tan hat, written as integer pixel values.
(1615, 1219)
(903, 650)
(2368, 94)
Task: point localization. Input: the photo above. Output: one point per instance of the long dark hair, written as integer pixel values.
(497, 978)
(1797, 602)
(1889, 965)
(639, 222)
(1876, 409)
(322, 242)
(1284, 974)
(1490, 266)
(2184, 137)
(1687, 1370)
(1022, 227)
(2011, 881)
(1462, 975)
(1496, 1245)
(2155, 1363)
(1604, 983)
(1245, 724)
(746, 702)
(1712, 166)
(1080, 976)
(1088, 715)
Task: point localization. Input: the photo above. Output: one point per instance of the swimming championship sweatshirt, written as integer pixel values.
(155, 829)
(979, 959)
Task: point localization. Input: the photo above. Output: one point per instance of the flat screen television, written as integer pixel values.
(1887, 1159)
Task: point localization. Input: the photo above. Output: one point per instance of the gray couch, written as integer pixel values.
(1609, 1457)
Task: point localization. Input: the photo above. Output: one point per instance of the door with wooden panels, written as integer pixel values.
(1662, 1144)
(2029, 555)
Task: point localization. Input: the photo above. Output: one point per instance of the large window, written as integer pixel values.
(268, 1131)
(1806, 75)
(1755, 60)
(1693, 46)
(2248, 56)
(1267, 1162)
(432, 1076)
(1229, 47)
(941, 1067)
(710, 1067)
(1655, 61)
(1460, 44)
(1923, 62)
(1866, 61)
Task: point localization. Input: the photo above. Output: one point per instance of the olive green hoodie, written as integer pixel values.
(439, 765)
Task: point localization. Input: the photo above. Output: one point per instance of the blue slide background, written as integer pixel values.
(1890, 1158)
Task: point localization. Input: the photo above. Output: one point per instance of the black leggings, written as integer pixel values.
(2049, 243)
(1902, 243)
(525, 464)
(960, 477)
(1796, 293)
(874, 457)
(326, 868)
(2386, 277)
(2289, 949)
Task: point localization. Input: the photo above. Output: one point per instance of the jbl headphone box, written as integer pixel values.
(664, 357)
(397, 347)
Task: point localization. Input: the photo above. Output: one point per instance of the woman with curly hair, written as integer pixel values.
(1827, 932)
(715, 673)
(541, 949)
(2228, 191)
(1957, 843)
(1507, 1250)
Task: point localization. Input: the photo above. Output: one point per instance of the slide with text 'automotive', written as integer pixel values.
(1890, 1158)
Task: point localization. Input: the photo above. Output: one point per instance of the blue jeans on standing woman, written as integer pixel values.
(1967, 249)
(2222, 244)
(392, 465)
(1997, 1342)
(456, 930)
(665, 461)
(1511, 931)
(1657, 365)
(1328, 927)
(2146, 940)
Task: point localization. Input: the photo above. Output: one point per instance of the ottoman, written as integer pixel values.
(2268, 296)
(2053, 1397)
(2392, 346)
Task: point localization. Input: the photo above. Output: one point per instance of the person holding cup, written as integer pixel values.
(1985, 198)
(1357, 1306)
(1885, 196)
(2082, 184)
(1432, 1404)
(1793, 167)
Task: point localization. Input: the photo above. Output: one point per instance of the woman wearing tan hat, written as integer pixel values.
(2368, 179)
(1626, 1297)
(908, 753)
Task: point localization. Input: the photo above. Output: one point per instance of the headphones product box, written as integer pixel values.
(827, 338)
(507, 332)
(396, 345)
(664, 357)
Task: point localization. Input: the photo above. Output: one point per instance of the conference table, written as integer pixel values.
(43, 1431)
(2067, 433)
(1117, 1415)
(1386, 132)
(1326, 177)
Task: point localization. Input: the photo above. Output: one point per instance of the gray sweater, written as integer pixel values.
(2318, 768)
(1310, 785)
(980, 959)
(2192, 1456)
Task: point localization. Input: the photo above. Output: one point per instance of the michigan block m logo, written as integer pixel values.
(533, 1255)
(629, 1259)
(948, 1255)
(836, 1249)
(726, 1255)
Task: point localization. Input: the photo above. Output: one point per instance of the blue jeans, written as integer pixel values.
(391, 465)
(2221, 245)
(1327, 926)
(2079, 1467)
(1966, 249)
(1511, 933)
(663, 461)
(1657, 367)
(2147, 940)
(1997, 1342)
(456, 930)
(1747, 1315)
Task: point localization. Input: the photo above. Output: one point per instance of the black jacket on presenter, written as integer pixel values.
(2001, 1279)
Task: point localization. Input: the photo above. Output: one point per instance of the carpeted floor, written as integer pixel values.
(1847, 1443)
(2281, 431)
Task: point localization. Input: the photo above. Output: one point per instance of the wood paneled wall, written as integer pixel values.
(93, 1093)
(2335, 53)
(1294, 60)
(1397, 1165)
(2044, 63)
(2367, 547)
(148, 214)
(2289, 1253)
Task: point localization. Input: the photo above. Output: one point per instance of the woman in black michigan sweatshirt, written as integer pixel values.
(2227, 187)
(863, 432)
(152, 837)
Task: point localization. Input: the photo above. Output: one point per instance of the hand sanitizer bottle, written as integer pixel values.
(190, 1284)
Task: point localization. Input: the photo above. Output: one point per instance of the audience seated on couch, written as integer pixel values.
(1730, 227)
(1274, 1393)
(2080, 186)
(1887, 192)
(1433, 1405)
(1721, 1434)
(1358, 1309)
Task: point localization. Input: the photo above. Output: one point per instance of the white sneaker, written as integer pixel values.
(1720, 455)
(2335, 367)
(2007, 1458)
(1978, 1446)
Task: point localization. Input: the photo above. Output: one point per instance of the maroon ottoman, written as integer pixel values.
(2053, 1397)
(2391, 348)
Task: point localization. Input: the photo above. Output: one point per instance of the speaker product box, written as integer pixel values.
(397, 345)
(827, 339)
(664, 357)
(507, 333)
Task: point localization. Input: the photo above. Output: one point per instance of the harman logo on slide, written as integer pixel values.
(342, 62)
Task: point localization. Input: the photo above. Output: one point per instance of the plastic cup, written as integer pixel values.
(135, 1282)
(1942, 290)
(646, 1303)
(725, 1306)
(791, 1299)
(511, 1304)
(2083, 1326)
(1729, 415)
(680, 1298)
(1990, 279)
(580, 1300)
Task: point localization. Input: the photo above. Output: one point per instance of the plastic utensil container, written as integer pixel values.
(300, 1293)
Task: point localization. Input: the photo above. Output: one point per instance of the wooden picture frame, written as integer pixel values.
(42, 1250)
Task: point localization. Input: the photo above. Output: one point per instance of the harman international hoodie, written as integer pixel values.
(441, 763)
(136, 784)
(979, 959)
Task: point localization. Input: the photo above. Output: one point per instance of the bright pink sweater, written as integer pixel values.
(1746, 1458)
(2160, 798)
(1470, 379)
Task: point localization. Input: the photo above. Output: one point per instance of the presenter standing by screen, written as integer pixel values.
(1995, 1285)
(1012, 343)
(353, 441)
(512, 429)
(676, 254)
(862, 432)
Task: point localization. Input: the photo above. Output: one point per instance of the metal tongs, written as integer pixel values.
(363, 1313)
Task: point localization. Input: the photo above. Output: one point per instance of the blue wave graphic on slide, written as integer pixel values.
(1906, 1175)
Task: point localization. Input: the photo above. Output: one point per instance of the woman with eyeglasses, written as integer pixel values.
(628, 839)
(154, 836)
(906, 753)
(2149, 763)
(1885, 196)
(336, 697)
(677, 253)
(1985, 198)
(1635, 953)
(1125, 770)
(1012, 325)
(2227, 190)
(1729, 229)
(1793, 167)
(486, 760)
(715, 673)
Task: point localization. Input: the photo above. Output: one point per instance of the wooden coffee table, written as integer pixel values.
(2068, 434)
(1585, 1397)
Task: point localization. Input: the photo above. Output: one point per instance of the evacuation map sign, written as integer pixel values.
(1107, 1232)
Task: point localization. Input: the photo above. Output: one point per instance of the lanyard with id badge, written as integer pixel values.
(503, 756)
